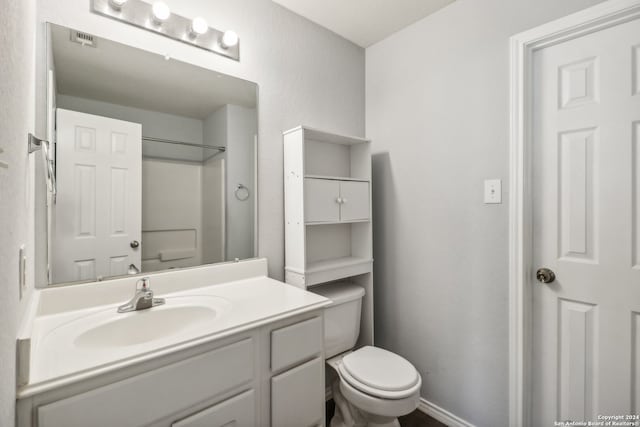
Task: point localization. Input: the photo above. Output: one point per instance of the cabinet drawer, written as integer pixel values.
(157, 394)
(296, 343)
(321, 200)
(237, 411)
(297, 396)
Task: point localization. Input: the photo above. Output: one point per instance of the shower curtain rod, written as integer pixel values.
(189, 144)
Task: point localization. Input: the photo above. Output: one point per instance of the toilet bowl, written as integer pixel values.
(373, 386)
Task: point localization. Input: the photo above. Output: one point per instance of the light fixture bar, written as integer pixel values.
(140, 14)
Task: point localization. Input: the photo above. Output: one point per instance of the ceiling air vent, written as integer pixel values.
(84, 39)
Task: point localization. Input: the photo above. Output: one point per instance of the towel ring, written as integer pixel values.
(242, 193)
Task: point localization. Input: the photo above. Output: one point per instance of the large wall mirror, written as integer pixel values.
(154, 161)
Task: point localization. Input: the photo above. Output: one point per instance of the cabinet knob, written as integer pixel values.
(344, 200)
(338, 200)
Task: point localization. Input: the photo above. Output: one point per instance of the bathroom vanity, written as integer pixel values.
(229, 347)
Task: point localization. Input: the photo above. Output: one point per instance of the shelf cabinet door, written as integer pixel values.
(321, 202)
(355, 201)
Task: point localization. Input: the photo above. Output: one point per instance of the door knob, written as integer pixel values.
(545, 275)
(134, 244)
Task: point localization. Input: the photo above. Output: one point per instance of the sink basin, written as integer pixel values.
(179, 319)
(146, 325)
(100, 336)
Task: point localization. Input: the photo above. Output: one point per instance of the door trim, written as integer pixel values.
(522, 47)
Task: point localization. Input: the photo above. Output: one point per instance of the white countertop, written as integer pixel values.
(244, 304)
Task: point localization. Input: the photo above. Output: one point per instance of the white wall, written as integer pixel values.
(305, 74)
(17, 94)
(437, 111)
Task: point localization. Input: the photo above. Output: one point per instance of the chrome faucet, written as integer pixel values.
(142, 298)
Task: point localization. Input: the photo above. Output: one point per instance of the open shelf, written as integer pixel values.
(333, 156)
(344, 262)
(337, 268)
(324, 136)
(355, 221)
(337, 178)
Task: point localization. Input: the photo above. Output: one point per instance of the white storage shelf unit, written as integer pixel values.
(327, 206)
(328, 212)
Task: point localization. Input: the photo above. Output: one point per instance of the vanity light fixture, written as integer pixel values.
(117, 4)
(199, 27)
(158, 18)
(160, 12)
(229, 39)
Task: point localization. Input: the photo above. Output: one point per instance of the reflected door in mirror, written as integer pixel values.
(97, 213)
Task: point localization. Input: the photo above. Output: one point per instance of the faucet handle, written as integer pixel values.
(145, 284)
(145, 289)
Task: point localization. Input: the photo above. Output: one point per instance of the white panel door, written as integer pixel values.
(98, 208)
(321, 200)
(586, 186)
(354, 201)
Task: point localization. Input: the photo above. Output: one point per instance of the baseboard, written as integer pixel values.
(442, 415)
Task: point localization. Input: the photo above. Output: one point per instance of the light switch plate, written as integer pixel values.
(492, 191)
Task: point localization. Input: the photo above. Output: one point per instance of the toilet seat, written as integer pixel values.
(380, 373)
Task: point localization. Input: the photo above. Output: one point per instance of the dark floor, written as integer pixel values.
(414, 419)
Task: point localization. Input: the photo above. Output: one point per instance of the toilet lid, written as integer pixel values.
(380, 369)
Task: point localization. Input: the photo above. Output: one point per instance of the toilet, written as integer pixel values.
(373, 386)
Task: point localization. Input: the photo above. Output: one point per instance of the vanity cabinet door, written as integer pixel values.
(297, 396)
(296, 343)
(354, 197)
(157, 394)
(237, 411)
(321, 201)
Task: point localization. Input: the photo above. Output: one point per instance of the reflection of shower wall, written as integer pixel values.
(213, 213)
(171, 214)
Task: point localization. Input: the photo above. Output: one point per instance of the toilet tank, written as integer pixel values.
(342, 317)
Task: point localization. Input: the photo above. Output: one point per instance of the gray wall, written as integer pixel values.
(437, 111)
(305, 74)
(17, 28)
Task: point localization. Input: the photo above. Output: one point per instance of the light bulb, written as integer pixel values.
(117, 4)
(199, 26)
(160, 11)
(229, 39)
